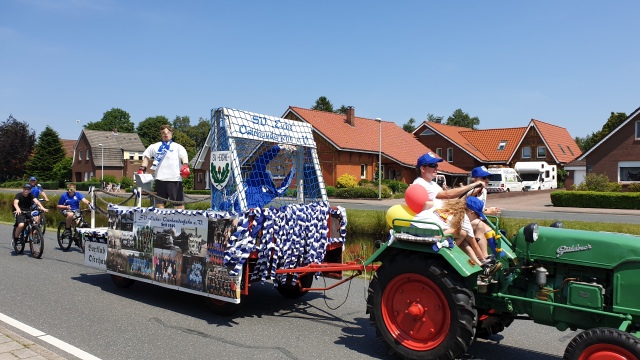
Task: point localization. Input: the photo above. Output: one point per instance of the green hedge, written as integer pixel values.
(356, 192)
(593, 199)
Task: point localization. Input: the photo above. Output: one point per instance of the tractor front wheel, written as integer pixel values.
(603, 343)
(420, 309)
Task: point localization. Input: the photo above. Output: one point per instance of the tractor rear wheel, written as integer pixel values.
(603, 343)
(420, 309)
(121, 281)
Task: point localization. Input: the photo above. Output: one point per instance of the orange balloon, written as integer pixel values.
(415, 196)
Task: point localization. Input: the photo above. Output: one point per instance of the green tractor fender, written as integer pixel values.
(432, 240)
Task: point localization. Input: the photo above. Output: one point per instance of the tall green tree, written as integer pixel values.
(113, 119)
(434, 118)
(199, 132)
(17, 141)
(341, 110)
(182, 123)
(48, 152)
(589, 141)
(149, 129)
(409, 126)
(62, 170)
(462, 119)
(184, 140)
(323, 104)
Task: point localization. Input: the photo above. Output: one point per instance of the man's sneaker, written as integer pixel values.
(67, 232)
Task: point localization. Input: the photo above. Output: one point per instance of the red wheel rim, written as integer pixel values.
(415, 312)
(606, 352)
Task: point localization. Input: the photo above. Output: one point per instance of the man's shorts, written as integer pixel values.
(171, 190)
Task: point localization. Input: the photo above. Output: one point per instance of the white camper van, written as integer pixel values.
(504, 179)
(537, 175)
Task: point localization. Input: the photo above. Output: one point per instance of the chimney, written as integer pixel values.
(351, 116)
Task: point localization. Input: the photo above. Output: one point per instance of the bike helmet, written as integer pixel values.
(26, 186)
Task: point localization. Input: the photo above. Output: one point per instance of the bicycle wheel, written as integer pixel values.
(79, 239)
(36, 242)
(64, 241)
(18, 246)
(43, 223)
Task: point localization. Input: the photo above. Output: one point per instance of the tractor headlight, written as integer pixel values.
(530, 232)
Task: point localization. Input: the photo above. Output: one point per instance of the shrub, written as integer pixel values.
(396, 186)
(331, 191)
(346, 181)
(357, 192)
(126, 182)
(594, 182)
(363, 182)
(385, 192)
(634, 187)
(613, 187)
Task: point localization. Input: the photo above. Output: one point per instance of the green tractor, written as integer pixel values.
(427, 300)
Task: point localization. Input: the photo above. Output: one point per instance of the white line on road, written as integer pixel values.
(47, 338)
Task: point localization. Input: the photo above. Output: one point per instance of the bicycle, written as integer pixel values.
(31, 234)
(65, 241)
(43, 219)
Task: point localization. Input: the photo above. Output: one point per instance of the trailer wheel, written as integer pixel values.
(221, 307)
(420, 310)
(293, 291)
(603, 343)
(490, 324)
(122, 282)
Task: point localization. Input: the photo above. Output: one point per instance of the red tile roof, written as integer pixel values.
(454, 134)
(397, 144)
(562, 146)
(488, 141)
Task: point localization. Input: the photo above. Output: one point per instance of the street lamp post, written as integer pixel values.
(102, 162)
(379, 158)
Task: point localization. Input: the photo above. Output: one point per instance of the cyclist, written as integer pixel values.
(22, 204)
(37, 191)
(69, 203)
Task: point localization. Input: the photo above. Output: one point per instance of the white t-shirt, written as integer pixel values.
(169, 167)
(428, 215)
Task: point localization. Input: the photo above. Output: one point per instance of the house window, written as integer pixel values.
(502, 145)
(88, 154)
(450, 154)
(139, 157)
(91, 175)
(542, 152)
(363, 171)
(526, 152)
(571, 151)
(629, 171)
(637, 130)
(199, 177)
(80, 155)
(382, 171)
(439, 152)
(86, 176)
(131, 156)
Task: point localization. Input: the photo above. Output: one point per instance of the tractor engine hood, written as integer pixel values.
(584, 248)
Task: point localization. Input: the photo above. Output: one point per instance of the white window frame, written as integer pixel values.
(502, 145)
(538, 152)
(450, 154)
(132, 156)
(363, 171)
(627, 164)
(439, 152)
(528, 156)
(91, 175)
(80, 155)
(88, 154)
(86, 174)
(638, 130)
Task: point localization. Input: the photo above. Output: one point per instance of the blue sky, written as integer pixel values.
(570, 63)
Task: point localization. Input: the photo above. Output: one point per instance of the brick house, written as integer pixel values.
(617, 155)
(467, 148)
(118, 154)
(347, 144)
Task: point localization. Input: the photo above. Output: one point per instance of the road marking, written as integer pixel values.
(47, 338)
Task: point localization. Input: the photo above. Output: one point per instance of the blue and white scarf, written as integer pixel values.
(162, 151)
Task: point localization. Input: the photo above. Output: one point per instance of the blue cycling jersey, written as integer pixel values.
(73, 201)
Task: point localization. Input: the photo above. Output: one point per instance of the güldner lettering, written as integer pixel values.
(573, 248)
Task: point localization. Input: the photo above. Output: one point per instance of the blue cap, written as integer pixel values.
(32, 178)
(480, 171)
(428, 158)
(477, 205)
